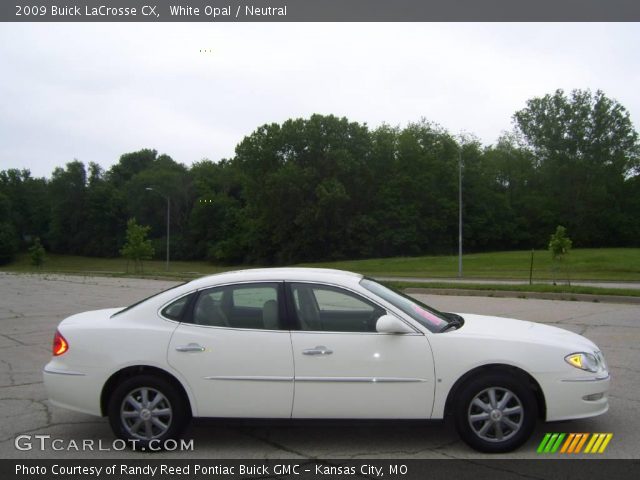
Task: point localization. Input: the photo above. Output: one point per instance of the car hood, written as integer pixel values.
(510, 329)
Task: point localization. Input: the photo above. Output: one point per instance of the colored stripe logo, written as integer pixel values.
(574, 443)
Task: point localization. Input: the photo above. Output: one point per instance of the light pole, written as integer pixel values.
(460, 212)
(151, 189)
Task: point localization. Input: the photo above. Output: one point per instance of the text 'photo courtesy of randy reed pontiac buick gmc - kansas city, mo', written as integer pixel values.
(304, 343)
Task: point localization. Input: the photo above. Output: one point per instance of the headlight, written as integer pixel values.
(585, 361)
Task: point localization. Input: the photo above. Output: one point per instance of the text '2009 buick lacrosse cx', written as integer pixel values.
(239, 344)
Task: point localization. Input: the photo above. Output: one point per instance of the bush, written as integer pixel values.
(36, 252)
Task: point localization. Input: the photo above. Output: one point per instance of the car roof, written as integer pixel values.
(280, 274)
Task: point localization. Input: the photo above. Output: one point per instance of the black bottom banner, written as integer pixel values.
(454, 469)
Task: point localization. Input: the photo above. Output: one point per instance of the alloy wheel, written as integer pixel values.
(495, 414)
(146, 413)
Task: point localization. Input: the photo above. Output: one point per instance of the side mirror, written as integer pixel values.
(391, 324)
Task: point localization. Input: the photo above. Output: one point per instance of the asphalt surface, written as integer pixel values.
(32, 305)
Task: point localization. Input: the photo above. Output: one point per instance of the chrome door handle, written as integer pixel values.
(319, 350)
(191, 347)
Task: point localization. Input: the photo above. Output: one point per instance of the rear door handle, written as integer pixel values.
(191, 347)
(319, 350)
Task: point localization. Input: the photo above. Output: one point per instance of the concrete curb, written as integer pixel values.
(575, 297)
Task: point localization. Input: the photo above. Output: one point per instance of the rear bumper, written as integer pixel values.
(73, 390)
(570, 398)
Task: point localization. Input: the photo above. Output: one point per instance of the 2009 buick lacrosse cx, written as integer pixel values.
(239, 344)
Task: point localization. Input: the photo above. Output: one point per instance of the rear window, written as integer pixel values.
(176, 310)
(145, 299)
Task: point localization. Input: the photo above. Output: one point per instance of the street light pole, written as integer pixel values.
(459, 212)
(168, 229)
(151, 189)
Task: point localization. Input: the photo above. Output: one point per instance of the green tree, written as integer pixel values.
(217, 225)
(508, 170)
(8, 237)
(169, 179)
(8, 243)
(106, 215)
(585, 146)
(559, 247)
(37, 253)
(130, 164)
(417, 198)
(68, 231)
(137, 247)
(29, 213)
(306, 188)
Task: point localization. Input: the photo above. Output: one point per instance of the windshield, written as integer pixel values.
(145, 299)
(431, 318)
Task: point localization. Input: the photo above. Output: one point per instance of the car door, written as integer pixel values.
(234, 350)
(344, 368)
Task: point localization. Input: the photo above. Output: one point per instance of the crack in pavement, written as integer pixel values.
(32, 430)
(274, 444)
(12, 379)
(448, 444)
(392, 452)
(13, 339)
(605, 314)
(620, 397)
(634, 370)
(21, 384)
(47, 411)
(17, 400)
(583, 327)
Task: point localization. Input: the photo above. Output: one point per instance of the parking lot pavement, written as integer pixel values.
(32, 305)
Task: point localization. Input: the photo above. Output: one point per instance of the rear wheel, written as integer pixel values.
(147, 410)
(495, 412)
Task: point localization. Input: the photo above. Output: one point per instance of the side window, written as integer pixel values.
(254, 296)
(176, 310)
(331, 309)
(254, 306)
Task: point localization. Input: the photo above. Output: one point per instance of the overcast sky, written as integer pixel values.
(94, 91)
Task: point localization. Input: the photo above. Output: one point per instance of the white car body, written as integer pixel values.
(250, 372)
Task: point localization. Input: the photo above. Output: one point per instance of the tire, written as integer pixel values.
(147, 408)
(495, 412)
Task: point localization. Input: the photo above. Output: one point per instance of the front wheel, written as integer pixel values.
(146, 411)
(495, 413)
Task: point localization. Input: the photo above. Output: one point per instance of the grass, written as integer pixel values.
(535, 288)
(621, 264)
(117, 267)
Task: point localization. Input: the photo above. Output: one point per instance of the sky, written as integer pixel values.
(95, 91)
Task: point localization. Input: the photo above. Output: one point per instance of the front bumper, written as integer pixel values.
(569, 398)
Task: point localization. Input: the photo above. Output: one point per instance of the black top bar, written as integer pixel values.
(320, 11)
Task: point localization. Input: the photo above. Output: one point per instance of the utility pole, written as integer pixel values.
(460, 212)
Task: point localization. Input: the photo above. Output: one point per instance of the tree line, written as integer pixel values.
(325, 188)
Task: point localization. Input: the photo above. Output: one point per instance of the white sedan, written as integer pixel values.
(313, 343)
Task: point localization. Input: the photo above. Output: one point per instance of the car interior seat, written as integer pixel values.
(270, 315)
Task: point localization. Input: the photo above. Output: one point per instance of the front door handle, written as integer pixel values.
(319, 350)
(191, 347)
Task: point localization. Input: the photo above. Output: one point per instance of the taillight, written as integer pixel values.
(60, 344)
